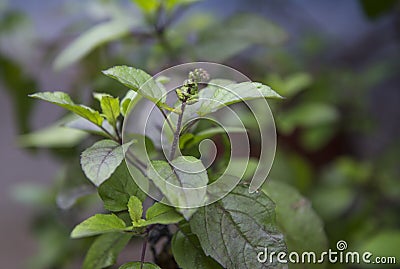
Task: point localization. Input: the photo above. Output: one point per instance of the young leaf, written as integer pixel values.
(188, 252)
(127, 103)
(159, 214)
(109, 107)
(140, 82)
(116, 191)
(62, 99)
(100, 160)
(91, 39)
(135, 209)
(98, 224)
(162, 214)
(302, 227)
(105, 249)
(138, 265)
(180, 188)
(148, 6)
(234, 229)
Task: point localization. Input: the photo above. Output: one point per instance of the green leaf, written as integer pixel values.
(236, 34)
(148, 6)
(109, 107)
(234, 229)
(188, 252)
(162, 214)
(81, 124)
(306, 115)
(127, 103)
(100, 160)
(98, 224)
(218, 95)
(116, 191)
(135, 209)
(138, 265)
(190, 192)
(210, 133)
(140, 82)
(302, 227)
(53, 136)
(383, 243)
(105, 249)
(63, 100)
(159, 214)
(91, 39)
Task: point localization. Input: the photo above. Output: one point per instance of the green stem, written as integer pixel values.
(177, 132)
(167, 119)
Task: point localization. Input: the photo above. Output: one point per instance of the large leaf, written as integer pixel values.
(234, 229)
(62, 99)
(221, 92)
(223, 40)
(98, 224)
(302, 227)
(182, 187)
(100, 160)
(188, 252)
(109, 107)
(140, 82)
(138, 265)
(105, 249)
(115, 192)
(216, 96)
(383, 243)
(91, 39)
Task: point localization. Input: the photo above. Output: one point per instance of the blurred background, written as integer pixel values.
(336, 62)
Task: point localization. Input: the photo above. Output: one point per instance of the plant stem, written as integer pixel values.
(167, 120)
(110, 135)
(177, 132)
(144, 246)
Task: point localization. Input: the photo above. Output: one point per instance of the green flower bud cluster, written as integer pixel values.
(189, 92)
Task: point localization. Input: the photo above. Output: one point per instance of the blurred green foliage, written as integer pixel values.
(325, 110)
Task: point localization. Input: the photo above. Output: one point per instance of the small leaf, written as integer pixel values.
(116, 191)
(188, 252)
(109, 107)
(148, 6)
(127, 103)
(100, 160)
(98, 224)
(105, 249)
(234, 229)
(135, 209)
(62, 99)
(91, 39)
(162, 214)
(181, 188)
(138, 265)
(140, 82)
